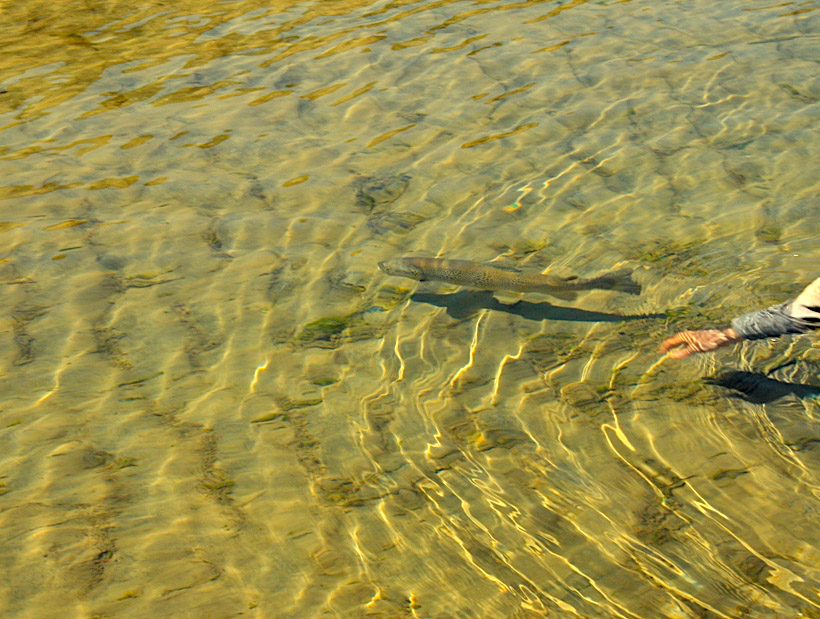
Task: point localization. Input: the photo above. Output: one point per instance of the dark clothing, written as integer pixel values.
(799, 315)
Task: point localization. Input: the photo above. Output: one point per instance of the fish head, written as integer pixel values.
(401, 268)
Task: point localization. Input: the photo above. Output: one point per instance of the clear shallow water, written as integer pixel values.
(214, 404)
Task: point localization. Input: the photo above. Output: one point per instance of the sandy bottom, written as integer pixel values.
(213, 404)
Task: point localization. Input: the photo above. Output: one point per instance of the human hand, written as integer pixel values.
(698, 341)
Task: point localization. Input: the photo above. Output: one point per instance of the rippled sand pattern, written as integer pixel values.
(214, 404)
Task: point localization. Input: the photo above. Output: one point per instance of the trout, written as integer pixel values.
(485, 277)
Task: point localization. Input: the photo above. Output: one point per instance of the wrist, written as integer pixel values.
(731, 335)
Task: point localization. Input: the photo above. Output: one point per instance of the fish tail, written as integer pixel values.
(620, 280)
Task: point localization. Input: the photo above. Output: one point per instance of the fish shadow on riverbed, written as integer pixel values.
(463, 304)
(759, 388)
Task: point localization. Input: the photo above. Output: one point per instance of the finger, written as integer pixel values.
(680, 353)
(675, 340)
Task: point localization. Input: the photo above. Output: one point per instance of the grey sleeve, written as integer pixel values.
(799, 315)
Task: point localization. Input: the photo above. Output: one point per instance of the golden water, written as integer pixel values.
(213, 404)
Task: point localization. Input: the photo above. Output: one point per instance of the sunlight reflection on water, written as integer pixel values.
(214, 403)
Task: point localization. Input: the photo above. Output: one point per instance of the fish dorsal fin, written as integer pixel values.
(503, 267)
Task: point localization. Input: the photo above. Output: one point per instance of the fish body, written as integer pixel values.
(485, 277)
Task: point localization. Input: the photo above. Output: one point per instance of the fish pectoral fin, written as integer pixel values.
(507, 298)
(566, 295)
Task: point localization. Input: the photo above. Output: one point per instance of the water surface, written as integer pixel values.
(214, 404)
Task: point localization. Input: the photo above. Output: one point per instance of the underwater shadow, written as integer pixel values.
(463, 304)
(759, 388)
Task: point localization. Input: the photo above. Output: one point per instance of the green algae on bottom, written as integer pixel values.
(365, 323)
(325, 329)
(669, 256)
(769, 233)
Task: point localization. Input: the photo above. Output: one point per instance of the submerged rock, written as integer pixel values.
(372, 191)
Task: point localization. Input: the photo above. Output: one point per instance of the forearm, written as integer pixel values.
(797, 316)
(800, 315)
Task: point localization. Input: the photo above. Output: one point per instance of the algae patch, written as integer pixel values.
(769, 233)
(325, 329)
(367, 322)
(670, 256)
